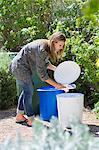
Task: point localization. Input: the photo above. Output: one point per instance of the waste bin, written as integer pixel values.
(48, 102)
(69, 104)
(35, 101)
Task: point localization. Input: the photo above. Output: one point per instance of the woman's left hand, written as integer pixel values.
(65, 89)
(51, 67)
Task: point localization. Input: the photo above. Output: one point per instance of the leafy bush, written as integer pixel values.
(96, 109)
(55, 138)
(86, 55)
(72, 18)
(7, 83)
(23, 21)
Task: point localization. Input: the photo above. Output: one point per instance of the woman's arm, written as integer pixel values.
(55, 84)
(51, 67)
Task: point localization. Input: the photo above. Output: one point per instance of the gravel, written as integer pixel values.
(8, 127)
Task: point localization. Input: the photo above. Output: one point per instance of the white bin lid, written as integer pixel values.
(67, 72)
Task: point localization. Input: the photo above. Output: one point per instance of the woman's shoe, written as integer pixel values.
(29, 123)
(20, 118)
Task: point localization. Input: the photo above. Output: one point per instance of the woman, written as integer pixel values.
(34, 57)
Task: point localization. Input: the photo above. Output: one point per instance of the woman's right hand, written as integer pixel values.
(62, 87)
(59, 86)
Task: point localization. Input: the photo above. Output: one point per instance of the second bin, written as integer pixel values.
(48, 102)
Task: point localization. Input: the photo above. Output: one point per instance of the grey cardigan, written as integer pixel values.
(32, 58)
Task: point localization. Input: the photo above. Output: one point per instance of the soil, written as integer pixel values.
(8, 127)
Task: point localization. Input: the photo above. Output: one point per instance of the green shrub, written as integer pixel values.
(55, 138)
(96, 109)
(82, 46)
(86, 55)
(7, 83)
(22, 21)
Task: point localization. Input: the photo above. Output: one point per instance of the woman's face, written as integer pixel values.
(58, 46)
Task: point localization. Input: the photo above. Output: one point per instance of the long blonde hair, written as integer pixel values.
(57, 36)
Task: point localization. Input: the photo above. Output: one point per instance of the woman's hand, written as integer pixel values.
(65, 89)
(62, 87)
(59, 86)
(51, 67)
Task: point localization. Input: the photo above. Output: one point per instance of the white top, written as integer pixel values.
(67, 72)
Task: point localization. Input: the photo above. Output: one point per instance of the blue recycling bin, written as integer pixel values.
(48, 102)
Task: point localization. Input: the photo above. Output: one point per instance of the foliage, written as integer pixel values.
(55, 138)
(64, 15)
(96, 109)
(91, 7)
(82, 43)
(86, 55)
(7, 83)
(22, 21)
